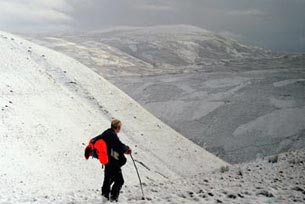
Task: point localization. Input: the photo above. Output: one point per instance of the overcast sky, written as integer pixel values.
(275, 24)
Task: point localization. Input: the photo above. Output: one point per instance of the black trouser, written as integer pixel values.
(113, 175)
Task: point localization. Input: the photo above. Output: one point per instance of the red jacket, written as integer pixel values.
(97, 149)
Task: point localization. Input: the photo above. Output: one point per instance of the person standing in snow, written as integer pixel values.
(113, 177)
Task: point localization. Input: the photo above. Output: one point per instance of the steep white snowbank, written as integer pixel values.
(51, 105)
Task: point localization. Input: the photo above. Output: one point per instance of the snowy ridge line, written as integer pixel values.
(49, 130)
(112, 95)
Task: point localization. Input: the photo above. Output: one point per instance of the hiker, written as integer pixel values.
(108, 148)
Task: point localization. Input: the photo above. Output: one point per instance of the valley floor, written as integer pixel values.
(276, 179)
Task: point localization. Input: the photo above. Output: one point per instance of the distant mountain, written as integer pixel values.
(176, 45)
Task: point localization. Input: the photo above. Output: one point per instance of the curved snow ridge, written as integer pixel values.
(179, 28)
(51, 105)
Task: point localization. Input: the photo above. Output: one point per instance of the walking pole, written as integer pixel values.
(134, 163)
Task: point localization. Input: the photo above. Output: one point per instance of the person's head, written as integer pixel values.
(116, 125)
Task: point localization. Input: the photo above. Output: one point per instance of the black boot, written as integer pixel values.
(114, 198)
(105, 196)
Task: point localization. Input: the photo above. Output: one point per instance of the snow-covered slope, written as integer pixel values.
(277, 179)
(51, 105)
(239, 102)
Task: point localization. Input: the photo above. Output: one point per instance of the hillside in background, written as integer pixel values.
(174, 46)
(238, 101)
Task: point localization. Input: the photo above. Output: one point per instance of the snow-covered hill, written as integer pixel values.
(178, 45)
(51, 105)
(151, 50)
(237, 101)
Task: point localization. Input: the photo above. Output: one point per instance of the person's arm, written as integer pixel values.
(125, 149)
(122, 147)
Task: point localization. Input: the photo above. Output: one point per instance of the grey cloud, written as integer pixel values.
(157, 5)
(250, 12)
(275, 24)
(28, 15)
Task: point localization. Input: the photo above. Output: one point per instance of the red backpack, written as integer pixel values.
(97, 150)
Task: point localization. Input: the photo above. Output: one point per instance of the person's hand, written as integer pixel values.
(128, 151)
